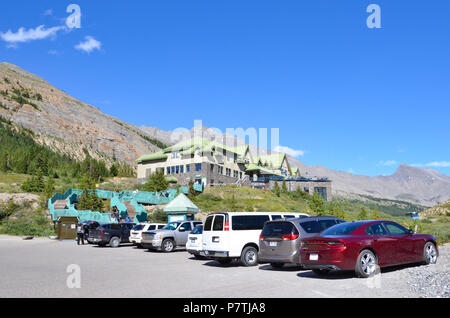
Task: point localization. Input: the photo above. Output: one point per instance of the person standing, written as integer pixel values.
(80, 234)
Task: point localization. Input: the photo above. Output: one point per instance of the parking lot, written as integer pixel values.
(38, 268)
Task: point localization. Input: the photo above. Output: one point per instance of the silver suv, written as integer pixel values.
(169, 237)
(280, 240)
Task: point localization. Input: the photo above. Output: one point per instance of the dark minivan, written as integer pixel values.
(279, 242)
(113, 234)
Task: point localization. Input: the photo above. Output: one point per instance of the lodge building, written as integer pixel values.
(212, 163)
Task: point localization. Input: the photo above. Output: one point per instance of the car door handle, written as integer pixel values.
(216, 239)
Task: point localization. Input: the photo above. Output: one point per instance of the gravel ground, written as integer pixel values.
(39, 268)
(431, 281)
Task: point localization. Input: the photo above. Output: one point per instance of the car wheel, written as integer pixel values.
(321, 271)
(277, 265)
(249, 256)
(114, 242)
(366, 264)
(224, 261)
(430, 253)
(168, 245)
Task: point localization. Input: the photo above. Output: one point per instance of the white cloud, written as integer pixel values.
(387, 163)
(436, 164)
(23, 35)
(289, 151)
(442, 164)
(90, 44)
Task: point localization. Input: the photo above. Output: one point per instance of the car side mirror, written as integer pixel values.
(181, 229)
(410, 232)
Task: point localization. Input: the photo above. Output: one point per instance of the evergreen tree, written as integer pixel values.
(114, 170)
(375, 214)
(156, 183)
(317, 205)
(284, 187)
(363, 214)
(49, 188)
(276, 189)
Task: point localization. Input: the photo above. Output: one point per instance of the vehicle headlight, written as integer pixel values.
(158, 236)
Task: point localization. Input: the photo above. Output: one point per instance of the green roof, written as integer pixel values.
(181, 204)
(152, 157)
(274, 160)
(188, 147)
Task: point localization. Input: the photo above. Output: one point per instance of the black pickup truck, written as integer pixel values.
(112, 234)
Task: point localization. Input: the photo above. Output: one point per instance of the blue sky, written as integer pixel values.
(343, 96)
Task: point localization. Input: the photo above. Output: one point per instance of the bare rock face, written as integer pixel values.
(65, 123)
(426, 187)
(20, 199)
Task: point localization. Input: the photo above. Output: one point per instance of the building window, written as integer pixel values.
(212, 168)
(172, 169)
(228, 172)
(188, 168)
(240, 175)
(181, 169)
(198, 167)
(168, 170)
(177, 169)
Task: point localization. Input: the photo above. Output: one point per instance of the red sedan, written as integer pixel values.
(362, 246)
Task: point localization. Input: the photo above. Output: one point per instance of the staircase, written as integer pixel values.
(243, 181)
(131, 210)
(60, 204)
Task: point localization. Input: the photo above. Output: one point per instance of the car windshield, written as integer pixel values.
(278, 229)
(341, 229)
(198, 229)
(138, 227)
(172, 226)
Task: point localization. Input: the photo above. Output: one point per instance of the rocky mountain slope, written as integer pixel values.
(65, 123)
(440, 209)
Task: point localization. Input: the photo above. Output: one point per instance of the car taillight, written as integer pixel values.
(101, 234)
(290, 237)
(261, 237)
(327, 243)
(226, 226)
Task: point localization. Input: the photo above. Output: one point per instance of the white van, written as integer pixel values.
(235, 235)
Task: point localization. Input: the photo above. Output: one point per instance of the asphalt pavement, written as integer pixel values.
(48, 268)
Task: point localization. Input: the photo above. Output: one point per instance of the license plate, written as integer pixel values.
(273, 244)
(313, 257)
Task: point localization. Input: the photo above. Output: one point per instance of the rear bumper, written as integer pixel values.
(215, 254)
(96, 240)
(292, 258)
(336, 258)
(135, 240)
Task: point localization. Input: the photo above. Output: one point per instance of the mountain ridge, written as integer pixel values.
(68, 126)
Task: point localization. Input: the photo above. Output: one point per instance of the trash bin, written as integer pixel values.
(66, 228)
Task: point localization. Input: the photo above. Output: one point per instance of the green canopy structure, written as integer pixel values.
(181, 205)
